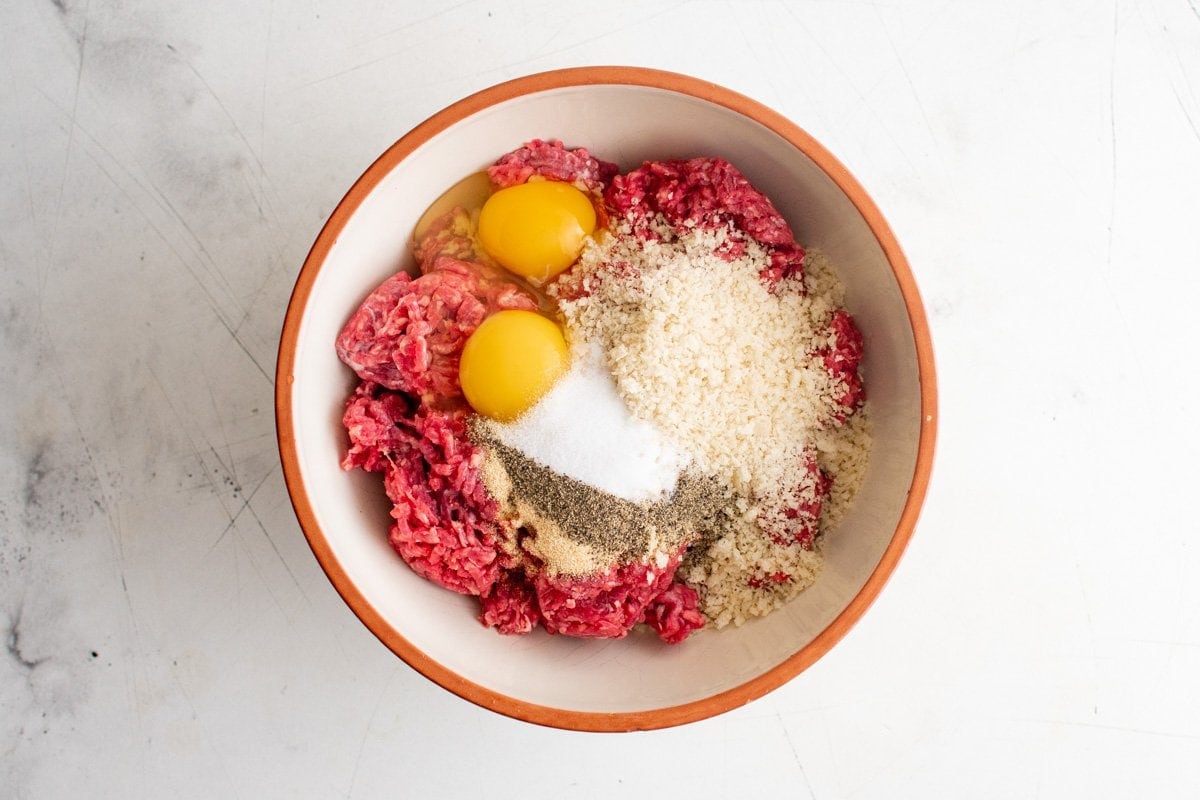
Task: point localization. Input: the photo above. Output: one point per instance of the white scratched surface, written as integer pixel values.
(165, 167)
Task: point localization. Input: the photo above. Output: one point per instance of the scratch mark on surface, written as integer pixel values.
(203, 256)
(181, 424)
(266, 70)
(62, 186)
(262, 578)
(1191, 123)
(12, 643)
(512, 64)
(1164, 33)
(362, 745)
(269, 278)
(1112, 212)
(209, 738)
(296, 581)
(262, 170)
(231, 467)
(270, 379)
(165, 205)
(245, 504)
(152, 191)
(413, 23)
(796, 755)
(1087, 605)
(117, 542)
(881, 126)
(912, 90)
(1117, 728)
(637, 23)
(385, 57)
(552, 38)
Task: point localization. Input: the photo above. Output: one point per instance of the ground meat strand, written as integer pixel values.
(511, 607)
(408, 334)
(607, 605)
(675, 614)
(842, 358)
(371, 420)
(552, 161)
(445, 521)
(601, 606)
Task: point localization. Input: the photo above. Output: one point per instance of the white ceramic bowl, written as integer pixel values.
(625, 115)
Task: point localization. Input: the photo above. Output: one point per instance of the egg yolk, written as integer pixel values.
(536, 229)
(510, 361)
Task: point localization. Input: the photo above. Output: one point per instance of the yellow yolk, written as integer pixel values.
(510, 361)
(536, 229)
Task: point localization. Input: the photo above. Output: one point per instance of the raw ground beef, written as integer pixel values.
(408, 334)
(511, 607)
(599, 606)
(675, 614)
(609, 604)
(552, 161)
(707, 193)
(842, 358)
(445, 521)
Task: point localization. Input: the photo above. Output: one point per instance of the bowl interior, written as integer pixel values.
(626, 124)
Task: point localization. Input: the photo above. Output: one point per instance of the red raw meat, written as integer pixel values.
(609, 604)
(553, 161)
(842, 358)
(675, 614)
(446, 527)
(408, 334)
(511, 607)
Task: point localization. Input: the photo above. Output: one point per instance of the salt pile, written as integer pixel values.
(582, 429)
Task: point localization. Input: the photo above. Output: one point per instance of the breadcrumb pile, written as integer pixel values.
(700, 347)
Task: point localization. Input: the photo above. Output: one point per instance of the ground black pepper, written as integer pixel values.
(616, 530)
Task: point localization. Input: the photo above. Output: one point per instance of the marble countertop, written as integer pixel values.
(167, 631)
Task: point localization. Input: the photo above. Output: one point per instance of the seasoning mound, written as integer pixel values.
(613, 451)
(580, 530)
